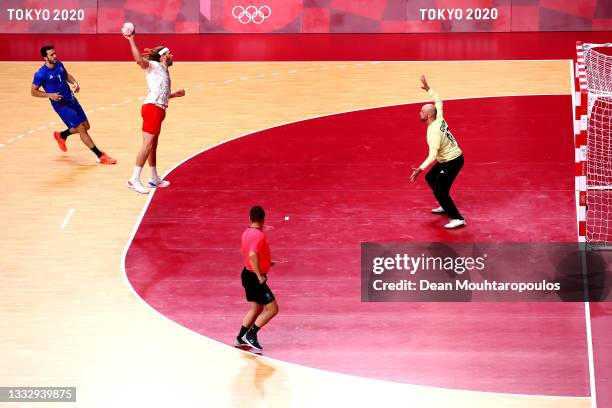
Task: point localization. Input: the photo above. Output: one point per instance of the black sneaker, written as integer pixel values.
(251, 340)
(240, 343)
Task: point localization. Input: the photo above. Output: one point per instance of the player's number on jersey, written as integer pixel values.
(444, 129)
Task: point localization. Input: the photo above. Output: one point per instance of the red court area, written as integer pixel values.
(343, 180)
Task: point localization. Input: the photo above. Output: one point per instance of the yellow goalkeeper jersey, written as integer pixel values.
(442, 144)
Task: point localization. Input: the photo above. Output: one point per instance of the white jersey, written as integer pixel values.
(158, 81)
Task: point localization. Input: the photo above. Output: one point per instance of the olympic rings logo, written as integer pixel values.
(251, 14)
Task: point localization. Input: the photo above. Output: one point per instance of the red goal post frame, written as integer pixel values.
(580, 104)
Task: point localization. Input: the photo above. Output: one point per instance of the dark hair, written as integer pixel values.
(257, 214)
(44, 49)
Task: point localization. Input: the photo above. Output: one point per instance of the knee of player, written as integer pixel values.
(273, 308)
(82, 129)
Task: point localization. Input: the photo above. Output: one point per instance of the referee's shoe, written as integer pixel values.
(240, 343)
(251, 339)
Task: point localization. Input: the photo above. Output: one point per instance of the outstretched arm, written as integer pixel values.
(424, 85)
(437, 101)
(433, 139)
(135, 53)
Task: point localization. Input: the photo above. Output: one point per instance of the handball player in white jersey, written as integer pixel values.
(156, 62)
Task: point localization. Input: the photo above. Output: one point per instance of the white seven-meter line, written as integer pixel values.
(70, 212)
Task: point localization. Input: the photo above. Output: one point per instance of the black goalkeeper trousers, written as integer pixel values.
(440, 178)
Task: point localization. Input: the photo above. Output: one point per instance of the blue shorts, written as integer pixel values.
(72, 115)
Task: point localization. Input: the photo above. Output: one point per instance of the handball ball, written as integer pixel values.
(127, 29)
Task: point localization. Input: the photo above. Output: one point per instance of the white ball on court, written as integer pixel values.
(286, 218)
(128, 28)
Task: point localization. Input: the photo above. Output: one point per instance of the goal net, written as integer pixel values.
(598, 69)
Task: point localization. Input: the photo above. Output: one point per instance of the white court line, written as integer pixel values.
(127, 101)
(276, 73)
(198, 86)
(89, 111)
(212, 83)
(20, 136)
(308, 69)
(11, 141)
(52, 123)
(41, 128)
(229, 81)
(244, 78)
(114, 104)
(587, 306)
(259, 76)
(587, 312)
(291, 72)
(2, 145)
(30, 131)
(70, 212)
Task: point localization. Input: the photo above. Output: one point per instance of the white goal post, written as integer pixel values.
(593, 137)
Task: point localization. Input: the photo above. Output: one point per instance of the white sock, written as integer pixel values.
(136, 173)
(154, 175)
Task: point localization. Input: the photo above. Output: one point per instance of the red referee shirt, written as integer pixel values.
(253, 240)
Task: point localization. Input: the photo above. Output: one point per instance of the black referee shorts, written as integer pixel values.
(255, 291)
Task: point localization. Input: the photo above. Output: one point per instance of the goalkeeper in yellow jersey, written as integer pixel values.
(444, 150)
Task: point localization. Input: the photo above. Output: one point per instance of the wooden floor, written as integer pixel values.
(67, 314)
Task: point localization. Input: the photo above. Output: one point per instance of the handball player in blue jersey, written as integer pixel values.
(59, 86)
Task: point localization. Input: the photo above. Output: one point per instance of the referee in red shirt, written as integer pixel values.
(257, 261)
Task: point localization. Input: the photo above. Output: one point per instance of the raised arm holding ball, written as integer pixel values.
(156, 62)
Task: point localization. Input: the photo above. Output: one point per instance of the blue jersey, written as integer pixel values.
(53, 80)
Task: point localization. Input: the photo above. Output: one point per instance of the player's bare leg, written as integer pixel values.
(255, 310)
(82, 130)
(155, 180)
(270, 310)
(134, 183)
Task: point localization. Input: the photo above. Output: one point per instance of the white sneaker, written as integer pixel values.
(136, 186)
(158, 183)
(455, 224)
(438, 210)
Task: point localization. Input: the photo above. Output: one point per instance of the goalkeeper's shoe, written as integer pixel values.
(455, 224)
